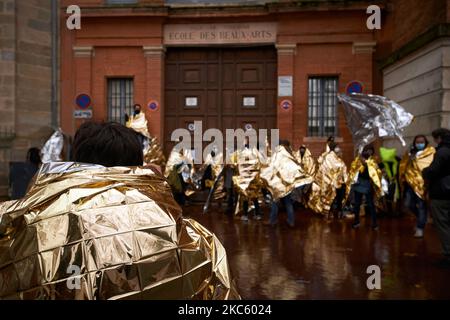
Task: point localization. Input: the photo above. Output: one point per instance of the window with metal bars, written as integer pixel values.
(322, 106)
(120, 99)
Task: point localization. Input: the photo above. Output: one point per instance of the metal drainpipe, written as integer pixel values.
(54, 44)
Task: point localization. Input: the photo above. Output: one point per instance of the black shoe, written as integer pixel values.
(356, 225)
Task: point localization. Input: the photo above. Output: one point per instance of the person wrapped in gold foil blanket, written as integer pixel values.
(179, 172)
(365, 180)
(419, 157)
(109, 230)
(329, 180)
(213, 178)
(286, 180)
(247, 179)
(151, 148)
(306, 160)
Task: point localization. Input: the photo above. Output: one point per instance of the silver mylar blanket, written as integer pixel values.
(370, 117)
(51, 151)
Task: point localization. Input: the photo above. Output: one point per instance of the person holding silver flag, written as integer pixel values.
(370, 117)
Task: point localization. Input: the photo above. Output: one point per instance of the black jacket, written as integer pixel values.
(437, 175)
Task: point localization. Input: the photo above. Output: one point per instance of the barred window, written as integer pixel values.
(322, 106)
(120, 99)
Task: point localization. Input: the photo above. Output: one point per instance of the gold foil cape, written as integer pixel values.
(307, 161)
(154, 153)
(284, 174)
(180, 162)
(139, 124)
(331, 175)
(247, 181)
(216, 163)
(90, 232)
(375, 174)
(370, 117)
(411, 168)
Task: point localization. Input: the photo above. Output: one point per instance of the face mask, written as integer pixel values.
(420, 146)
(366, 154)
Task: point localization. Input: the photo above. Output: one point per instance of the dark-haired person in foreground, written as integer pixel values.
(107, 144)
(437, 177)
(105, 227)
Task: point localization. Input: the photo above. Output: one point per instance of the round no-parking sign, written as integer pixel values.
(354, 87)
(286, 104)
(83, 101)
(153, 105)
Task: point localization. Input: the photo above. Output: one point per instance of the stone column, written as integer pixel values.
(286, 67)
(154, 56)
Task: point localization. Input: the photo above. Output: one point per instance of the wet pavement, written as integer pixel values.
(327, 259)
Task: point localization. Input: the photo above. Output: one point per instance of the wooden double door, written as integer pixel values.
(225, 88)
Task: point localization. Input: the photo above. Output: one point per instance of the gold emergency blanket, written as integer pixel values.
(307, 161)
(411, 168)
(248, 162)
(331, 175)
(139, 124)
(216, 163)
(176, 158)
(180, 162)
(90, 232)
(375, 174)
(284, 174)
(154, 154)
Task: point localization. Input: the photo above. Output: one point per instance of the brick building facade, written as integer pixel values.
(219, 62)
(320, 44)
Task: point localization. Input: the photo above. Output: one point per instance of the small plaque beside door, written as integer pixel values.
(191, 102)
(249, 101)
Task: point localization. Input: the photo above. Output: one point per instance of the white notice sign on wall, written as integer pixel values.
(285, 86)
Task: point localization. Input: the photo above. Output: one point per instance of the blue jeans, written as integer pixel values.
(288, 203)
(417, 206)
